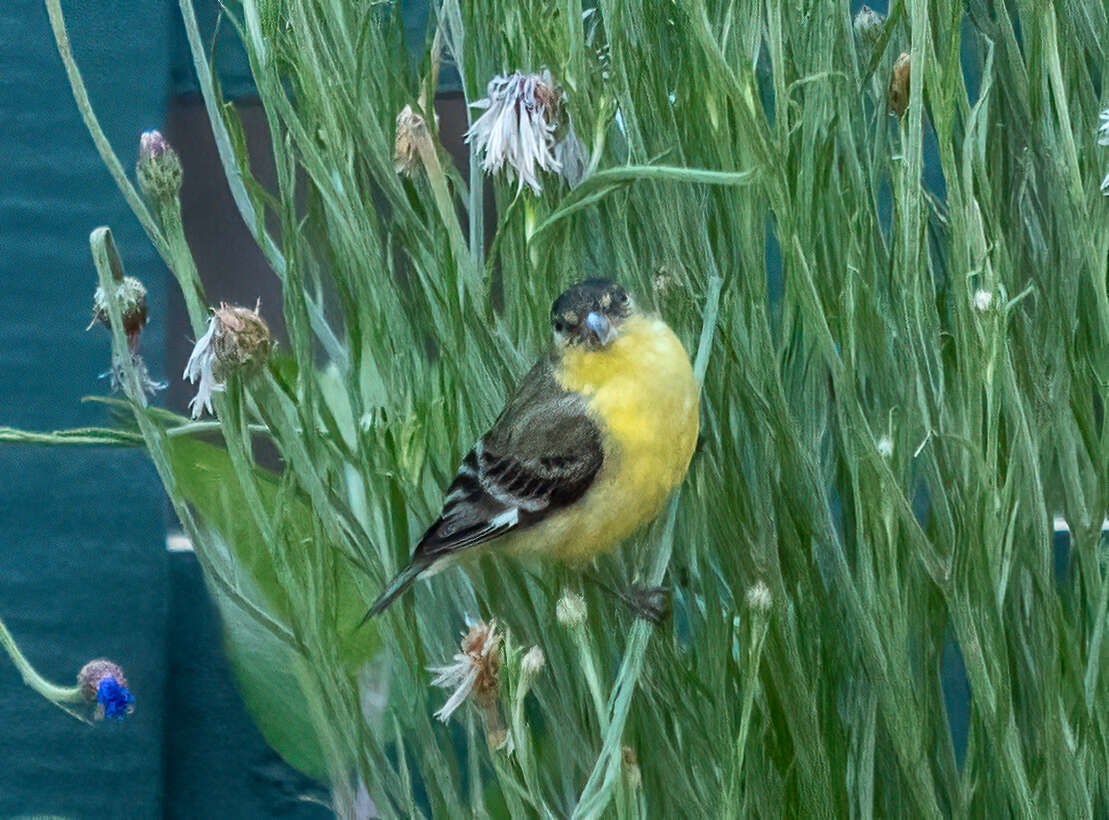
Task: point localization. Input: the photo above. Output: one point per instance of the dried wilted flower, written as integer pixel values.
(475, 671)
(237, 339)
(899, 85)
(518, 126)
(412, 136)
(982, 300)
(132, 307)
(149, 385)
(158, 169)
(570, 610)
(102, 682)
(759, 598)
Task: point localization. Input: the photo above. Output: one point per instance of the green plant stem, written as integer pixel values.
(234, 174)
(51, 691)
(602, 780)
(107, 153)
(106, 259)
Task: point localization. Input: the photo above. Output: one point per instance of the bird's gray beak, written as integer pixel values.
(599, 328)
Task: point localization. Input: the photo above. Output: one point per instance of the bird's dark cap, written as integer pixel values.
(593, 295)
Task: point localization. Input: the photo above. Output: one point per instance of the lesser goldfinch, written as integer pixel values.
(598, 433)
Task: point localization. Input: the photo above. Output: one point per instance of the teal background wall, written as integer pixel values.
(83, 567)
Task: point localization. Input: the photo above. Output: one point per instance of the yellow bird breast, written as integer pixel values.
(640, 389)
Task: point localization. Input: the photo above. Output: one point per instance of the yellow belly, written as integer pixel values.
(641, 391)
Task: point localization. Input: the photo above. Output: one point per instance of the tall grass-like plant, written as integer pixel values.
(902, 328)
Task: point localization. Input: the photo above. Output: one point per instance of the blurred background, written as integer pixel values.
(90, 563)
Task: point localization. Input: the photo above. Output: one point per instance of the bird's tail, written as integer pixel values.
(401, 582)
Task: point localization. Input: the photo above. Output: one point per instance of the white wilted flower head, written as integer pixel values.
(237, 339)
(1103, 128)
(518, 126)
(759, 598)
(533, 663)
(885, 446)
(982, 300)
(475, 671)
(570, 610)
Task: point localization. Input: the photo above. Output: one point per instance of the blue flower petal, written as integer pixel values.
(115, 699)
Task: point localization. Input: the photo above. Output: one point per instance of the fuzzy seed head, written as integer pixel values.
(759, 598)
(885, 446)
(570, 610)
(533, 663)
(982, 300)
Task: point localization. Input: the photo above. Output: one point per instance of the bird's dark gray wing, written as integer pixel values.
(541, 454)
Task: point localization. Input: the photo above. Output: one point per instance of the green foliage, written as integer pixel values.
(731, 144)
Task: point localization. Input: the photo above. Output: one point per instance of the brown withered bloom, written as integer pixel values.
(412, 137)
(899, 85)
(475, 672)
(131, 294)
(237, 339)
(475, 675)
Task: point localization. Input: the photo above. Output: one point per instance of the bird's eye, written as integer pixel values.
(559, 326)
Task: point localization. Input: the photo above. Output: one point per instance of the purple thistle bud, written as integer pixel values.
(158, 169)
(152, 144)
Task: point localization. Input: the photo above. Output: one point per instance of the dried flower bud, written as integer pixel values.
(237, 339)
(132, 306)
(982, 300)
(102, 682)
(412, 137)
(759, 598)
(158, 169)
(868, 25)
(244, 340)
(570, 610)
(899, 85)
